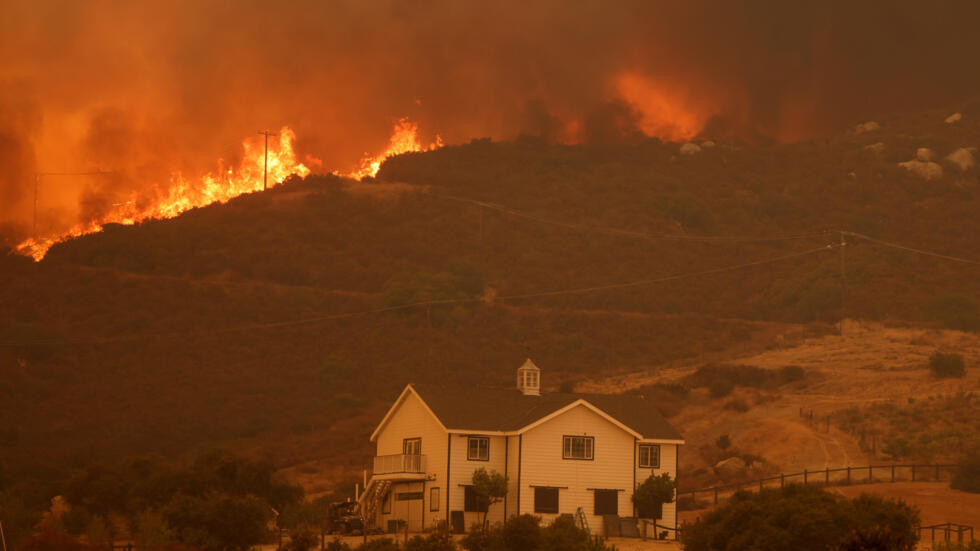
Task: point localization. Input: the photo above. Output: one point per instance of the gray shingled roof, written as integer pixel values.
(499, 409)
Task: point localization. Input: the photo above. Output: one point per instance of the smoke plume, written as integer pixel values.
(144, 89)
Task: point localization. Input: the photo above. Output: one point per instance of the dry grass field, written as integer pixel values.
(871, 364)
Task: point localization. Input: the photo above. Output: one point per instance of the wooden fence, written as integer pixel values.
(946, 532)
(830, 477)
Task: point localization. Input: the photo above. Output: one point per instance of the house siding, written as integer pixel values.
(461, 474)
(668, 464)
(412, 419)
(611, 467)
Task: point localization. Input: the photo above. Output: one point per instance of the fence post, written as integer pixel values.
(782, 480)
(848, 474)
(870, 473)
(804, 477)
(827, 479)
(893, 472)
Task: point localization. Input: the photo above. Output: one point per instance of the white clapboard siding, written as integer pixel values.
(668, 464)
(611, 468)
(461, 474)
(411, 419)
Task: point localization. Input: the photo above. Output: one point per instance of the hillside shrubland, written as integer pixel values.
(258, 323)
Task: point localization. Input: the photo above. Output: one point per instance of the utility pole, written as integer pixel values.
(843, 283)
(34, 230)
(265, 171)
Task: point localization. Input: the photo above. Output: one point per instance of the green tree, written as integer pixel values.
(489, 488)
(802, 518)
(152, 530)
(650, 496)
(218, 522)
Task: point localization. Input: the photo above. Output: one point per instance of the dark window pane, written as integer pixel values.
(471, 504)
(546, 500)
(606, 502)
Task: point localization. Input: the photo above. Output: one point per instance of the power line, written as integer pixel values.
(521, 296)
(630, 233)
(909, 249)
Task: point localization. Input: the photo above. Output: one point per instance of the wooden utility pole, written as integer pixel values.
(265, 170)
(843, 283)
(34, 230)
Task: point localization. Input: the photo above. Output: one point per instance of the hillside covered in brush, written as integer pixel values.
(286, 321)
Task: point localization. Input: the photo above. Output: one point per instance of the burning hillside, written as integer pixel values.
(184, 193)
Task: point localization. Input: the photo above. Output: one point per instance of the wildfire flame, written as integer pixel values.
(183, 194)
(404, 139)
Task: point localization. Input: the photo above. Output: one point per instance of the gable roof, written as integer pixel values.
(508, 410)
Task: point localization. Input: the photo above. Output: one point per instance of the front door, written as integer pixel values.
(408, 506)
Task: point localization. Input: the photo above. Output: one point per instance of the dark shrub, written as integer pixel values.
(737, 405)
(947, 365)
(302, 539)
(721, 388)
(723, 442)
(967, 477)
(791, 373)
(802, 518)
(437, 541)
(522, 533)
(380, 544)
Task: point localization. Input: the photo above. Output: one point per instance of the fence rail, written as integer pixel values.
(841, 476)
(399, 463)
(947, 530)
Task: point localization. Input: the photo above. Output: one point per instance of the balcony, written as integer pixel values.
(399, 466)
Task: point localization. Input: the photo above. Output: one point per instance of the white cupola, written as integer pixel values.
(529, 379)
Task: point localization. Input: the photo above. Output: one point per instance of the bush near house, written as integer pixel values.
(803, 518)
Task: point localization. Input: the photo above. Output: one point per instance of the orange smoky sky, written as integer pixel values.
(146, 89)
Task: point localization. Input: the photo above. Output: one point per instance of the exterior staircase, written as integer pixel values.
(370, 502)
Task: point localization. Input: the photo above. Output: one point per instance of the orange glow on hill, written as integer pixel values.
(665, 113)
(404, 139)
(183, 194)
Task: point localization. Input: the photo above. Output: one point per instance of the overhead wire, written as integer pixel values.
(341, 315)
(629, 233)
(910, 249)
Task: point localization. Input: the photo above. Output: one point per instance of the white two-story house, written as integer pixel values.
(574, 454)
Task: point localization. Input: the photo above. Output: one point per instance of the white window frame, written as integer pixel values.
(647, 463)
(587, 448)
(478, 456)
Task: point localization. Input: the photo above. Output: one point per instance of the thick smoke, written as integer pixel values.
(147, 88)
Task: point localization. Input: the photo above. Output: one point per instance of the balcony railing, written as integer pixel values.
(399, 463)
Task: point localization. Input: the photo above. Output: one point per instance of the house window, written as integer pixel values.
(412, 446)
(578, 447)
(530, 379)
(386, 504)
(606, 502)
(433, 499)
(478, 448)
(470, 502)
(546, 500)
(649, 456)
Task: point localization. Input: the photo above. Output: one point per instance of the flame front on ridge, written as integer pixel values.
(183, 194)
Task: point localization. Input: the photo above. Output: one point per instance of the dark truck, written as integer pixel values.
(343, 519)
